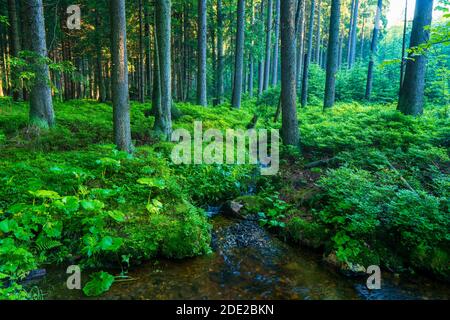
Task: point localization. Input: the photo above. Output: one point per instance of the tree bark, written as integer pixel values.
(333, 54)
(120, 94)
(148, 52)
(276, 45)
(15, 47)
(353, 35)
(98, 46)
(349, 44)
(239, 57)
(305, 82)
(268, 44)
(141, 76)
(411, 100)
(289, 131)
(403, 62)
(300, 40)
(41, 104)
(163, 118)
(261, 62)
(219, 89)
(373, 50)
(318, 38)
(201, 75)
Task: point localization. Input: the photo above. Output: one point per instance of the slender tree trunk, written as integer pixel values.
(353, 34)
(15, 46)
(268, 44)
(333, 54)
(219, 88)
(41, 104)
(403, 62)
(276, 45)
(261, 62)
(239, 57)
(141, 56)
(98, 45)
(411, 100)
(163, 119)
(373, 50)
(318, 33)
(201, 80)
(251, 59)
(289, 132)
(349, 45)
(120, 95)
(362, 38)
(341, 49)
(305, 84)
(148, 53)
(300, 40)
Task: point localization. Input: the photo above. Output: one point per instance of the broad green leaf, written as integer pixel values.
(100, 283)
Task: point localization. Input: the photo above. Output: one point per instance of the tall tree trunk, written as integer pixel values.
(354, 31)
(261, 61)
(148, 53)
(268, 44)
(305, 84)
(276, 45)
(201, 76)
(373, 50)
(120, 95)
(141, 77)
(300, 40)
(163, 119)
(98, 46)
(341, 51)
(411, 100)
(403, 62)
(361, 54)
(318, 33)
(41, 104)
(239, 57)
(349, 44)
(333, 54)
(15, 47)
(251, 66)
(219, 89)
(289, 131)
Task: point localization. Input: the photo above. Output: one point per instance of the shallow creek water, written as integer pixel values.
(247, 263)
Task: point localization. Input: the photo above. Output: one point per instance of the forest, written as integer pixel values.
(347, 102)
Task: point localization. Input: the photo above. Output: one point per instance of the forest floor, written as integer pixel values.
(369, 187)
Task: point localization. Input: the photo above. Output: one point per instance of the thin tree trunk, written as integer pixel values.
(289, 132)
(15, 47)
(120, 95)
(300, 41)
(362, 38)
(261, 62)
(318, 30)
(41, 104)
(353, 34)
(141, 86)
(403, 62)
(219, 89)
(305, 84)
(411, 100)
(276, 45)
(268, 44)
(148, 52)
(373, 50)
(239, 57)
(201, 80)
(98, 45)
(333, 54)
(163, 119)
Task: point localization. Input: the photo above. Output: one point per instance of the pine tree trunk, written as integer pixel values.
(403, 62)
(141, 76)
(349, 45)
(318, 38)
(15, 46)
(120, 95)
(354, 31)
(148, 53)
(201, 80)
(300, 41)
(163, 119)
(98, 45)
(289, 131)
(239, 57)
(268, 44)
(373, 50)
(261, 62)
(41, 104)
(305, 84)
(333, 54)
(411, 100)
(219, 89)
(276, 45)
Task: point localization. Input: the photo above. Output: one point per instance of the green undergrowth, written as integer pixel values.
(68, 197)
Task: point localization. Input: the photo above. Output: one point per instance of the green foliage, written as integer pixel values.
(100, 283)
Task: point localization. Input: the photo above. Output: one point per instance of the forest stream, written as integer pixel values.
(247, 263)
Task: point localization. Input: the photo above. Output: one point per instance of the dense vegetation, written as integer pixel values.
(86, 176)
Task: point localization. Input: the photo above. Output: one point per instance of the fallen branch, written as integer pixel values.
(319, 163)
(400, 175)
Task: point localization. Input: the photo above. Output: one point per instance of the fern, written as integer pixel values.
(45, 244)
